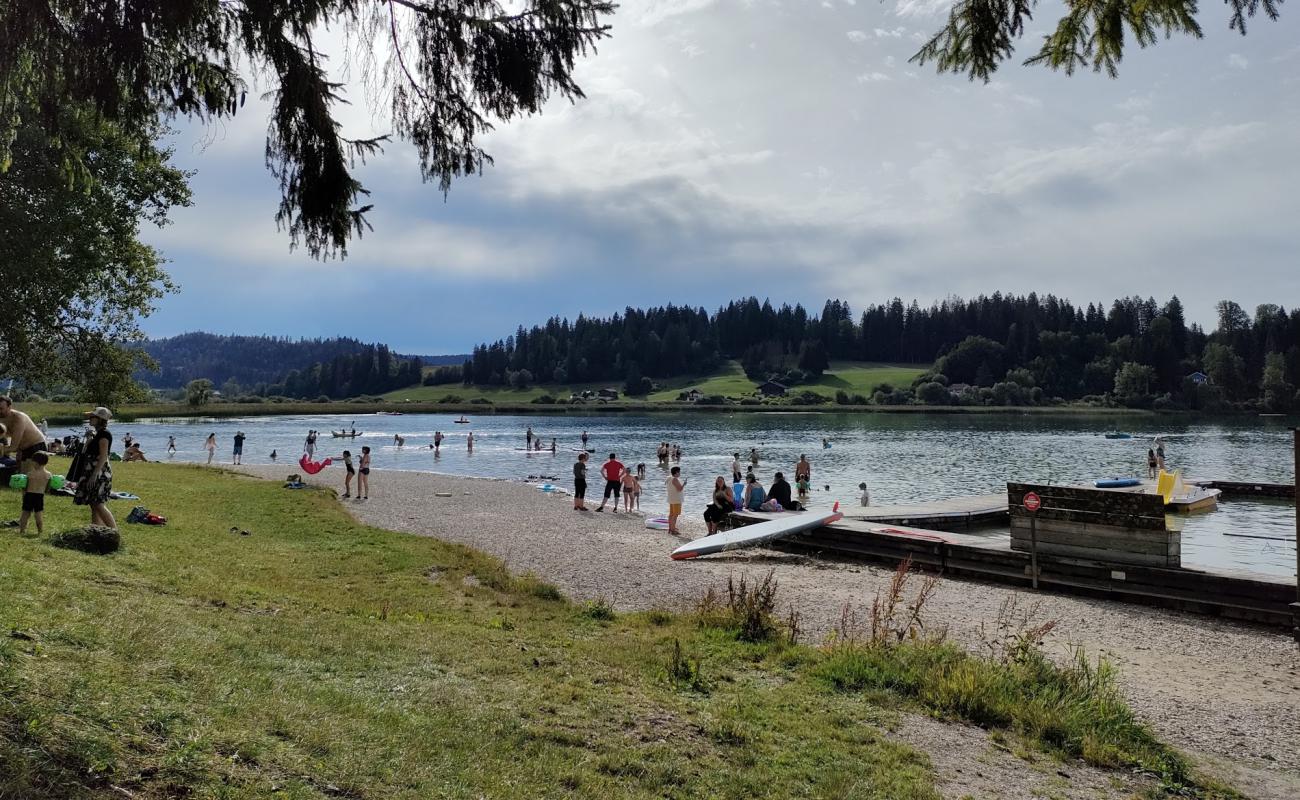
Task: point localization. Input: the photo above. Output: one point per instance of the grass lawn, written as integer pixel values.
(321, 658)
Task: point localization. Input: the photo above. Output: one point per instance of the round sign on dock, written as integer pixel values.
(1032, 501)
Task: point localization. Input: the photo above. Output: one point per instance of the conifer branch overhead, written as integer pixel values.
(448, 69)
(981, 34)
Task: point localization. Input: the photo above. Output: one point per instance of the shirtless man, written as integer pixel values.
(24, 437)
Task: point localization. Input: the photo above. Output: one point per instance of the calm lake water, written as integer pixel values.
(903, 458)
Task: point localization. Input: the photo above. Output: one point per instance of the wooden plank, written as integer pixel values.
(1099, 555)
(1100, 537)
(1167, 548)
(1098, 506)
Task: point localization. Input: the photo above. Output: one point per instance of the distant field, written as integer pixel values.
(854, 377)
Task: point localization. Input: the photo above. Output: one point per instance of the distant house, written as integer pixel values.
(772, 389)
(607, 394)
(1199, 378)
(959, 389)
(691, 396)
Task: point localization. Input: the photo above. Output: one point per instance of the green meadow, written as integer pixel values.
(319, 658)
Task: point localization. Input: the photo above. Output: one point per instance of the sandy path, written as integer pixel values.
(1228, 693)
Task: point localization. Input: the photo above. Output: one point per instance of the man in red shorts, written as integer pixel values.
(612, 470)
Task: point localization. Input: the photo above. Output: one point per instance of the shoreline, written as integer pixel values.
(69, 413)
(1227, 692)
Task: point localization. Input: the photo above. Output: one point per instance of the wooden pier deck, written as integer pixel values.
(939, 536)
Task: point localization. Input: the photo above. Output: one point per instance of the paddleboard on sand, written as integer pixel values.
(788, 524)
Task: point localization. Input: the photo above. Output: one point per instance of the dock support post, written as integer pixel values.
(1033, 548)
(1295, 607)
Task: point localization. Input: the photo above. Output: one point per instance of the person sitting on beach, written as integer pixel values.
(719, 510)
(754, 495)
(133, 453)
(780, 492)
(612, 471)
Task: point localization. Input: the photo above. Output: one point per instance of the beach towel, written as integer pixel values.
(312, 467)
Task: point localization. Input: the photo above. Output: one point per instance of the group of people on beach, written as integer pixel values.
(746, 492)
(25, 451)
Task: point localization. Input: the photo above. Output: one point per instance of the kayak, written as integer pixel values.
(1116, 483)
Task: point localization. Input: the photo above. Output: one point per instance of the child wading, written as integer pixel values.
(34, 495)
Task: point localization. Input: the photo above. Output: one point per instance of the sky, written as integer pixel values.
(784, 149)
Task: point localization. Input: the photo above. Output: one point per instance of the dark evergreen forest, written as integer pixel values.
(1005, 348)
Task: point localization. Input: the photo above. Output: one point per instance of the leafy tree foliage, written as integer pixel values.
(76, 277)
(981, 34)
(198, 392)
(446, 69)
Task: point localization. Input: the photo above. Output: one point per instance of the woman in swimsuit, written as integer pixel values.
(211, 446)
(347, 479)
(363, 480)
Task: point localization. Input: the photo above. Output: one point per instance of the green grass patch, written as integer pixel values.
(320, 658)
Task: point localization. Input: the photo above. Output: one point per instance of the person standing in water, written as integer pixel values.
(171, 445)
(437, 442)
(469, 441)
(753, 456)
(803, 476)
(211, 446)
(528, 437)
(239, 447)
(553, 446)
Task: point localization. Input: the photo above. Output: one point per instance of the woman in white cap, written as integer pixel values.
(95, 483)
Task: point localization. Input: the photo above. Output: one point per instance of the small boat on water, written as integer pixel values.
(461, 421)
(1119, 435)
(345, 434)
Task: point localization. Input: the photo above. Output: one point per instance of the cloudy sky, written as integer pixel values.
(786, 149)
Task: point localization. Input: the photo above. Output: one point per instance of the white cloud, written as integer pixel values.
(1237, 61)
(892, 33)
(922, 8)
(857, 37)
(872, 77)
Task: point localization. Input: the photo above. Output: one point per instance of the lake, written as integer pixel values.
(903, 458)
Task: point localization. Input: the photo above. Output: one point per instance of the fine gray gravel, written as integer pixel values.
(1227, 693)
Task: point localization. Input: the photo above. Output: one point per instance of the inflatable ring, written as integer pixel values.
(56, 482)
(18, 481)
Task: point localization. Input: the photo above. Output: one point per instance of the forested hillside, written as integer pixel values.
(239, 362)
(999, 349)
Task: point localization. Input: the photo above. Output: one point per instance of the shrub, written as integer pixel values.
(684, 672)
(599, 610)
(842, 397)
(711, 400)
(933, 393)
(543, 400)
(749, 609)
(481, 401)
(809, 398)
(324, 398)
(95, 539)
(451, 398)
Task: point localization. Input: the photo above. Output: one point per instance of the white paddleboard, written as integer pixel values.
(791, 522)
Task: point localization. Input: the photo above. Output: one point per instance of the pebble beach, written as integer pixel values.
(1227, 693)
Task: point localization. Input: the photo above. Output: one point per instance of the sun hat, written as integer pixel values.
(101, 412)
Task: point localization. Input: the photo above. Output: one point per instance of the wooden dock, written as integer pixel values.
(939, 536)
(1249, 489)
